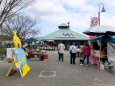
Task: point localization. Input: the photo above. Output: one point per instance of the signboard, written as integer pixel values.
(19, 59)
(9, 52)
(65, 35)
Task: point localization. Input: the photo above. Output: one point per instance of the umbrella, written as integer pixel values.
(100, 30)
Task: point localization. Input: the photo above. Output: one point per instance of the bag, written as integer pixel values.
(70, 52)
(41, 57)
(80, 61)
(102, 67)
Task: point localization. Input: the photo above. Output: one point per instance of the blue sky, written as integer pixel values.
(78, 12)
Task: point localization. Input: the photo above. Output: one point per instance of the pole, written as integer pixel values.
(100, 52)
(99, 17)
(99, 14)
(103, 10)
(100, 35)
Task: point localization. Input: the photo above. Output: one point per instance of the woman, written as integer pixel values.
(86, 53)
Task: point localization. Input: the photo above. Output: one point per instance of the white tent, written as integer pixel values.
(100, 30)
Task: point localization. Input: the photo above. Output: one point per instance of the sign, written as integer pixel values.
(19, 59)
(94, 21)
(9, 52)
(65, 35)
(16, 58)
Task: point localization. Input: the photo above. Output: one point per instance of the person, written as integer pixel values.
(73, 50)
(104, 56)
(79, 51)
(86, 53)
(61, 48)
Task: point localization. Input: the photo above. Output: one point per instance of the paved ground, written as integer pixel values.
(66, 74)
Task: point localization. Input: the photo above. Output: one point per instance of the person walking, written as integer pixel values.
(73, 51)
(86, 53)
(61, 49)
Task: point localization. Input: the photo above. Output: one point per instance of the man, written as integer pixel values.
(73, 51)
(61, 48)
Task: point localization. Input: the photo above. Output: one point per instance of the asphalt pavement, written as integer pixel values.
(65, 74)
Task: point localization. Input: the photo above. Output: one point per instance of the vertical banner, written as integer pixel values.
(94, 21)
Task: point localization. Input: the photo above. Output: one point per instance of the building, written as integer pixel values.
(66, 35)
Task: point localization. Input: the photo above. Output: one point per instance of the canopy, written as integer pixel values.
(103, 39)
(100, 30)
(62, 34)
(31, 40)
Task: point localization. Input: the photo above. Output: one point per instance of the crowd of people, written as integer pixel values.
(75, 50)
(84, 52)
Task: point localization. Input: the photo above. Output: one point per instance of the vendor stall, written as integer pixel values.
(40, 54)
(107, 50)
(101, 30)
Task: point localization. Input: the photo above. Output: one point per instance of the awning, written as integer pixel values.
(103, 39)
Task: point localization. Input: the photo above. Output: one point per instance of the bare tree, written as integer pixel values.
(23, 25)
(9, 8)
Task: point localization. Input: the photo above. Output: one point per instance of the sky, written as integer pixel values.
(52, 13)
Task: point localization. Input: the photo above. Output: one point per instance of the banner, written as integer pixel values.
(94, 21)
(65, 35)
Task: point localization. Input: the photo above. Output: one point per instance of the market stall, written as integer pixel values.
(105, 50)
(104, 32)
(40, 54)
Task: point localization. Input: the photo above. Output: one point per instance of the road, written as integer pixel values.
(66, 74)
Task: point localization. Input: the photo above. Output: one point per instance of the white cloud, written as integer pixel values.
(47, 8)
(81, 5)
(59, 11)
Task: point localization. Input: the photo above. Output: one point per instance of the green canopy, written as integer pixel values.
(64, 34)
(31, 40)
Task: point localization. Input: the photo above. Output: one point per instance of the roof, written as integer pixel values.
(63, 24)
(100, 30)
(56, 35)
